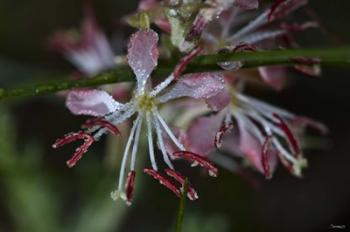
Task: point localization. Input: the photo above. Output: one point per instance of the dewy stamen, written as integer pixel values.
(291, 137)
(80, 151)
(197, 159)
(163, 180)
(191, 192)
(129, 186)
(102, 123)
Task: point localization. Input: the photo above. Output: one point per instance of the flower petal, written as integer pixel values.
(202, 132)
(219, 101)
(143, 54)
(91, 102)
(275, 76)
(198, 86)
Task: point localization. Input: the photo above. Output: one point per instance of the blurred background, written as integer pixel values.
(39, 193)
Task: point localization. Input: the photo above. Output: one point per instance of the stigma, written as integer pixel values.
(145, 103)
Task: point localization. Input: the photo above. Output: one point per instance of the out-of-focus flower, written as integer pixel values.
(142, 58)
(252, 129)
(258, 33)
(88, 50)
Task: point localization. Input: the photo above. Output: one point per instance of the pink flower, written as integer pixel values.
(90, 52)
(261, 133)
(142, 58)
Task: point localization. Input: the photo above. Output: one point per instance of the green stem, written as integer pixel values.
(205, 63)
(182, 206)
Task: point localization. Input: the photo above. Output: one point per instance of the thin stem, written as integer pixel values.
(199, 64)
(182, 206)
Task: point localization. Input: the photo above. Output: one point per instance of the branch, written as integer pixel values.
(331, 56)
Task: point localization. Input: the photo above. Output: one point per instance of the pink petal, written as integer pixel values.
(247, 4)
(202, 132)
(143, 54)
(219, 101)
(275, 76)
(91, 102)
(198, 86)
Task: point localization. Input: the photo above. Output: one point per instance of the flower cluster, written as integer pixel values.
(237, 123)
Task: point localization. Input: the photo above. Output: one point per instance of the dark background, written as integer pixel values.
(38, 192)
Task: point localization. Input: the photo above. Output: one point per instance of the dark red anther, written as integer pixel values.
(274, 9)
(283, 7)
(185, 61)
(197, 160)
(306, 60)
(129, 186)
(197, 27)
(290, 136)
(218, 137)
(244, 47)
(102, 123)
(68, 138)
(265, 157)
(163, 180)
(191, 192)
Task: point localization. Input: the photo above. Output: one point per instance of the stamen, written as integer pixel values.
(191, 192)
(177, 72)
(169, 132)
(135, 145)
(185, 61)
(68, 138)
(283, 7)
(129, 186)
(260, 20)
(293, 27)
(163, 180)
(244, 47)
(102, 123)
(264, 157)
(197, 160)
(126, 153)
(274, 8)
(286, 164)
(260, 36)
(197, 27)
(290, 136)
(150, 142)
(218, 137)
(161, 143)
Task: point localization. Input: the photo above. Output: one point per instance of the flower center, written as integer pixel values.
(146, 102)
